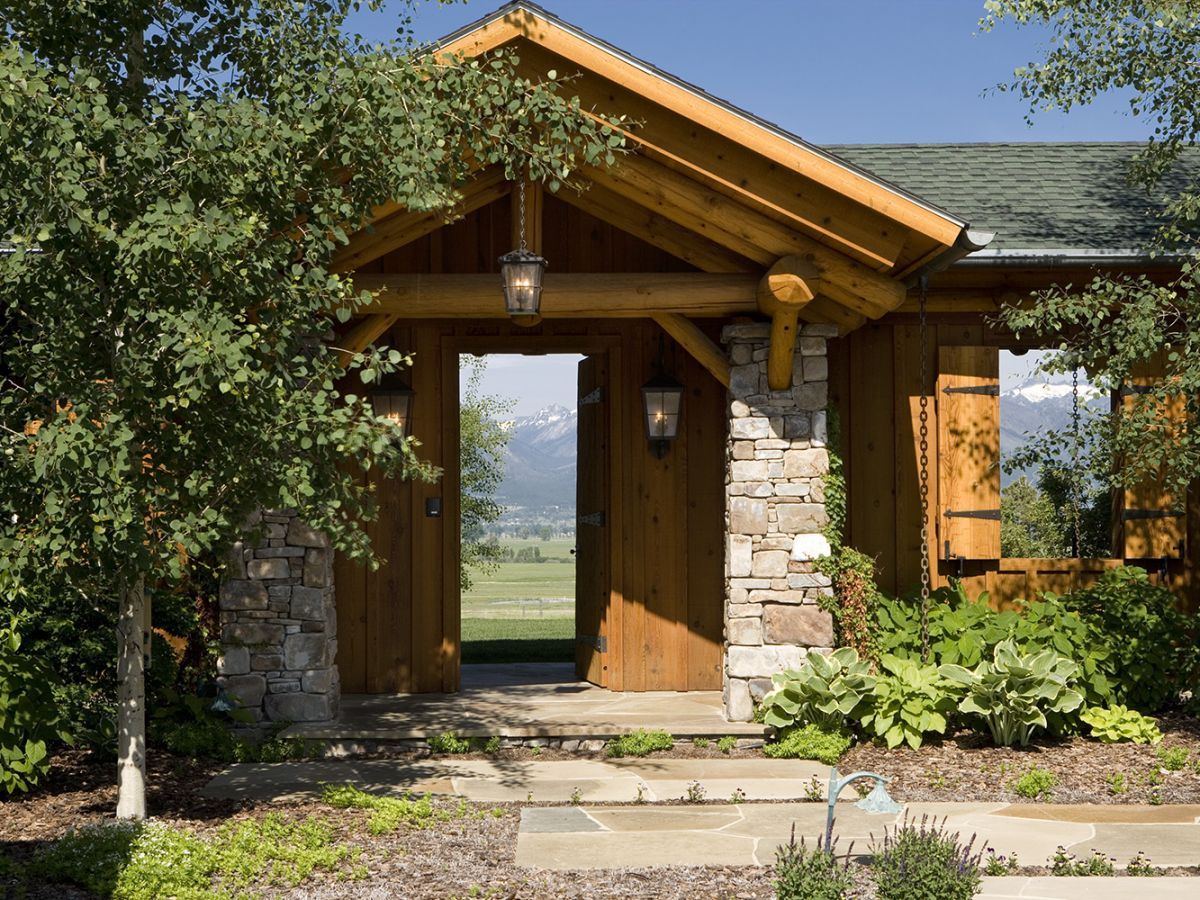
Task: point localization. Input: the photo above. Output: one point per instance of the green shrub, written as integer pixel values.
(29, 717)
(824, 691)
(727, 744)
(1035, 783)
(1116, 723)
(1173, 758)
(809, 742)
(907, 702)
(804, 874)
(1014, 692)
(448, 742)
(639, 743)
(925, 862)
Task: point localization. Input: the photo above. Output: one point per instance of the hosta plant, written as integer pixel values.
(908, 702)
(1116, 724)
(823, 692)
(1014, 692)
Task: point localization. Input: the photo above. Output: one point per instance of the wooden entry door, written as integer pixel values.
(592, 522)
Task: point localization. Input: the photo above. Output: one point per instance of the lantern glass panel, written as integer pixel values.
(394, 403)
(663, 401)
(521, 273)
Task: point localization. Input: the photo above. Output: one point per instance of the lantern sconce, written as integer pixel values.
(392, 400)
(662, 402)
(521, 272)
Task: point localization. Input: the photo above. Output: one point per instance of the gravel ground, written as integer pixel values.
(967, 767)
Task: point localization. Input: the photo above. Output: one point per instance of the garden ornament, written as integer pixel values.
(877, 802)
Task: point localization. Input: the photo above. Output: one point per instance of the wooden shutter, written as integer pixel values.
(968, 457)
(1153, 521)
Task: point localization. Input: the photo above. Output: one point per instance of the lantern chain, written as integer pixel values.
(521, 213)
(924, 466)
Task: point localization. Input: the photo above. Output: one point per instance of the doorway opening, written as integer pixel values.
(518, 457)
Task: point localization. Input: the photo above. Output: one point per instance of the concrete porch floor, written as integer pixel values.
(534, 700)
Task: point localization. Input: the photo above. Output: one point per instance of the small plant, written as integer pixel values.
(1173, 758)
(824, 691)
(492, 744)
(639, 743)
(576, 797)
(804, 874)
(641, 794)
(727, 744)
(1116, 783)
(1140, 866)
(738, 796)
(925, 860)
(448, 742)
(535, 751)
(700, 742)
(1014, 692)
(814, 791)
(1155, 798)
(695, 793)
(1154, 777)
(1065, 864)
(387, 813)
(935, 780)
(1035, 784)
(996, 865)
(809, 742)
(1115, 724)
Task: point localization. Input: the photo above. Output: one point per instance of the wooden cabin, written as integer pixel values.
(778, 283)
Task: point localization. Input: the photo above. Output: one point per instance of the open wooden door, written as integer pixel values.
(592, 523)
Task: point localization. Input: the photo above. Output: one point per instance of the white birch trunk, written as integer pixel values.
(131, 702)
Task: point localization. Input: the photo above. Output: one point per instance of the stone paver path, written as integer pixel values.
(1051, 888)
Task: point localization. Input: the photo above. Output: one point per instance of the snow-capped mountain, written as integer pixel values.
(1039, 404)
(539, 462)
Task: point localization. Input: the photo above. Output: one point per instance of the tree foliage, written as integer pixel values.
(1150, 51)
(482, 439)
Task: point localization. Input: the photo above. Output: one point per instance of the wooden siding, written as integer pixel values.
(875, 386)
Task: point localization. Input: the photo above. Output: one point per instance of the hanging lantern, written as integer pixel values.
(392, 399)
(662, 401)
(521, 271)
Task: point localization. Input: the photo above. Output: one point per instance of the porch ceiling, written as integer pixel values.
(706, 182)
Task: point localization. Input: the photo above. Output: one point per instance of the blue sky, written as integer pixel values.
(832, 71)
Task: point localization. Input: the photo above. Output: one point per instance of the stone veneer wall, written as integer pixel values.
(775, 512)
(279, 625)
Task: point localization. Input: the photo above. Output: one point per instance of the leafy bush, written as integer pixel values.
(824, 691)
(448, 742)
(29, 717)
(639, 743)
(1150, 648)
(854, 600)
(1115, 724)
(1035, 783)
(727, 744)
(925, 862)
(809, 742)
(1014, 692)
(804, 874)
(908, 702)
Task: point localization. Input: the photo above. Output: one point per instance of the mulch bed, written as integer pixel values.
(967, 767)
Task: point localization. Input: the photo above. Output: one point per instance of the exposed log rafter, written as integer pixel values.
(702, 348)
(365, 332)
(789, 285)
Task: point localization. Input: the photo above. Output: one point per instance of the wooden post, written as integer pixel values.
(788, 286)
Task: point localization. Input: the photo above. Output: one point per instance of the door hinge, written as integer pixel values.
(597, 643)
(989, 390)
(595, 519)
(596, 395)
(1128, 390)
(993, 514)
(1128, 514)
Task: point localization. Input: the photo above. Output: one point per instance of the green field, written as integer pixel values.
(523, 611)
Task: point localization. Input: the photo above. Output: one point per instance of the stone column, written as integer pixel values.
(775, 512)
(279, 625)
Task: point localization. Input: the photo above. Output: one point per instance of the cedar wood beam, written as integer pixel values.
(365, 332)
(689, 336)
(789, 285)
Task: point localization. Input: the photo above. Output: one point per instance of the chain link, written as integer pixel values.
(521, 213)
(1075, 460)
(924, 471)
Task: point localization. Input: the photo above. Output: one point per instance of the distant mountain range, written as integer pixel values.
(1038, 404)
(539, 462)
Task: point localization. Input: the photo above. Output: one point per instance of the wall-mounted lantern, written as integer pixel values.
(521, 272)
(392, 399)
(662, 401)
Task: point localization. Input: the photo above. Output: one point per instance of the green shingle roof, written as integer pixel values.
(1034, 196)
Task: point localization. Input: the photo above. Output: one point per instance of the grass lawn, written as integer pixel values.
(522, 612)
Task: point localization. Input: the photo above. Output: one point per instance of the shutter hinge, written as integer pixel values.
(1151, 513)
(595, 519)
(987, 390)
(1128, 390)
(993, 514)
(596, 395)
(599, 643)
